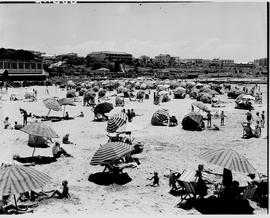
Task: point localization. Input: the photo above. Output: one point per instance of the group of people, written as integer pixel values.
(130, 114)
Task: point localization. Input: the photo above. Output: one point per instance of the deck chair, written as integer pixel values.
(248, 132)
(189, 181)
(249, 193)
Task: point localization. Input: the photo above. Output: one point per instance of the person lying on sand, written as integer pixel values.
(32, 196)
(6, 207)
(155, 179)
(64, 193)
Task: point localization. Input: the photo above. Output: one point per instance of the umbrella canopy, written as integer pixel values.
(90, 94)
(160, 117)
(101, 93)
(201, 106)
(52, 104)
(66, 101)
(140, 94)
(206, 98)
(192, 121)
(244, 97)
(39, 129)
(16, 179)
(116, 121)
(109, 152)
(228, 159)
(129, 127)
(71, 93)
(103, 108)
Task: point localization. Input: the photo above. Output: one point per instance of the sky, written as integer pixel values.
(189, 30)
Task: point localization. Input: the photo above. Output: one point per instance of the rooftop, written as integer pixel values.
(110, 52)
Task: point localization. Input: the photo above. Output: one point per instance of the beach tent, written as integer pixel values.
(160, 118)
(116, 121)
(192, 121)
(110, 152)
(235, 93)
(140, 94)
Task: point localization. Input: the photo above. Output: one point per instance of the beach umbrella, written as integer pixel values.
(201, 106)
(228, 159)
(163, 93)
(103, 108)
(71, 93)
(39, 129)
(28, 94)
(245, 97)
(70, 83)
(143, 86)
(194, 93)
(15, 179)
(192, 121)
(109, 152)
(140, 94)
(116, 121)
(90, 94)
(52, 104)
(101, 93)
(160, 118)
(206, 98)
(65, 101)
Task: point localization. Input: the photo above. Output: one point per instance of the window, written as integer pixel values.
(26, 65)
(39, 66)
(14, 65)
(20, 65)
(7, 65)
(33, 65)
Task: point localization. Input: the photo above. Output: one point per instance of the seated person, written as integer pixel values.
(66, 140)
(59, 151)
(155, 179)
(64, 193)
(255, 180)
(173, 121)
(32, 196)
(17, 126)
(66, 116)
(81, 114)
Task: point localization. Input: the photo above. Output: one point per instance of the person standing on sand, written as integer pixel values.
(222, 116)
(155, 179)
(262, 119)
(249, 116)
(209, 119)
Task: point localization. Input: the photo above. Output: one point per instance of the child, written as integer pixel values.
(6, 123)
(64, 194)
(209, 118)
(155, 179)
(222, 116)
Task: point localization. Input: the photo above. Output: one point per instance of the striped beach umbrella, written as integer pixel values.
(229, 159)
(52, 104)
(16, 179)
(201, 106)
(116, 121)
(101, 93)
(160, 118)
(103, 108)
(110, 152)
(39, 129)
(64, 102)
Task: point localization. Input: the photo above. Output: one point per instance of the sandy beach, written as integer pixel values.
(164, 148)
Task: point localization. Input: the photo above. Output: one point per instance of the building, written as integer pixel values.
(111, 56)
(223, 62)
(262, 62)
(163, 58)
(19, 65)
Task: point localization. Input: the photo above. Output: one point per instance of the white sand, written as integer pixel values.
(165, 147)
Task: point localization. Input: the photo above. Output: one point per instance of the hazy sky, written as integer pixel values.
(188, 30)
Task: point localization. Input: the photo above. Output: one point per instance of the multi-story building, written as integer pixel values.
(262, 62)
(163, 58)
(111, 56)
(223, 62)
(17, 68)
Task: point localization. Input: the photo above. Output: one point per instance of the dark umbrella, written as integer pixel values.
(103, 108)
(192, 121)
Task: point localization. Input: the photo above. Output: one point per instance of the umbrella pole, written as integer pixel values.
(64, 110)
(16, 204)
(33, 152)
(49, 112)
